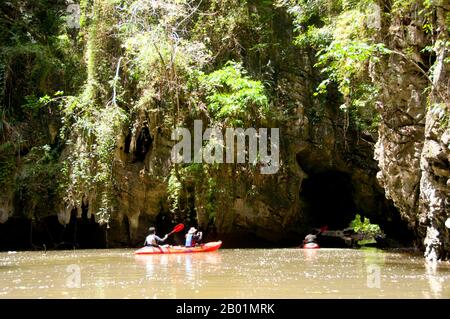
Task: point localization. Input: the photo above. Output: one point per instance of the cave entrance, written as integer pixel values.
(327, 199)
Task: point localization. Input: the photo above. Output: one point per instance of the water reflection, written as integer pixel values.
(227, 273)
(310, 254)
(434, 280)
(177, 266)
(373, 256)
(176, 275)
(188, 267)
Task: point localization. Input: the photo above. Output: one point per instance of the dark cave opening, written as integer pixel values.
(48, 233)
(90, 234)
(127, 143)
(143, 145)
(126, 227)
(327, 199)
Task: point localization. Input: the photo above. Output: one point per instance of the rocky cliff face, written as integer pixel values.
(327, 175)
(327, 171)
(413, 150)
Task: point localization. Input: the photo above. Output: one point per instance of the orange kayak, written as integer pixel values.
(203, 248)
(311, 246)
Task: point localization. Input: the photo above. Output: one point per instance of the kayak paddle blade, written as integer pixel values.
(177, 229)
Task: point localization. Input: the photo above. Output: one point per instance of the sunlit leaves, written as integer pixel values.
(341, 33)
(233, 95)
(365, 228)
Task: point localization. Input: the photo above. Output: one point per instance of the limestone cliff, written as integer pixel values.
(327, 174)
(107, 157)
(413, 150)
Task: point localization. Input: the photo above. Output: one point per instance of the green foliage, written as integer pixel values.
(313, 36)
(90, 167)
(310, 12)
(211, 201)
(93, 120)
(346, 35)
(34, 105)
(36, 65)
(341, 32)
(220, 26)
(164, 63)
(7, 165)
(153, 52)
(142, 70)
(129, 62)
(232, 96)
(365, 228)
(344, 60)
(38, 179)
(38, 57)
(174, 188)
(404, 6)
(197, 178)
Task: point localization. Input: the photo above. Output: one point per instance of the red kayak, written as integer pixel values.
(203, 248)
(311, 246)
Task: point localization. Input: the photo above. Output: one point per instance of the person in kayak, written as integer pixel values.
(193, 237)
(310, 238)
(153, 239)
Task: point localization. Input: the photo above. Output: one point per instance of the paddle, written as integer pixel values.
(176, 229)
(322, 229)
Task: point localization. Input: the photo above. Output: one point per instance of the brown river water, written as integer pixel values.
(227, 273)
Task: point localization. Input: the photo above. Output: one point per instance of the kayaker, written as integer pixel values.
(310, 238)
(193, 237)
(153, 239)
